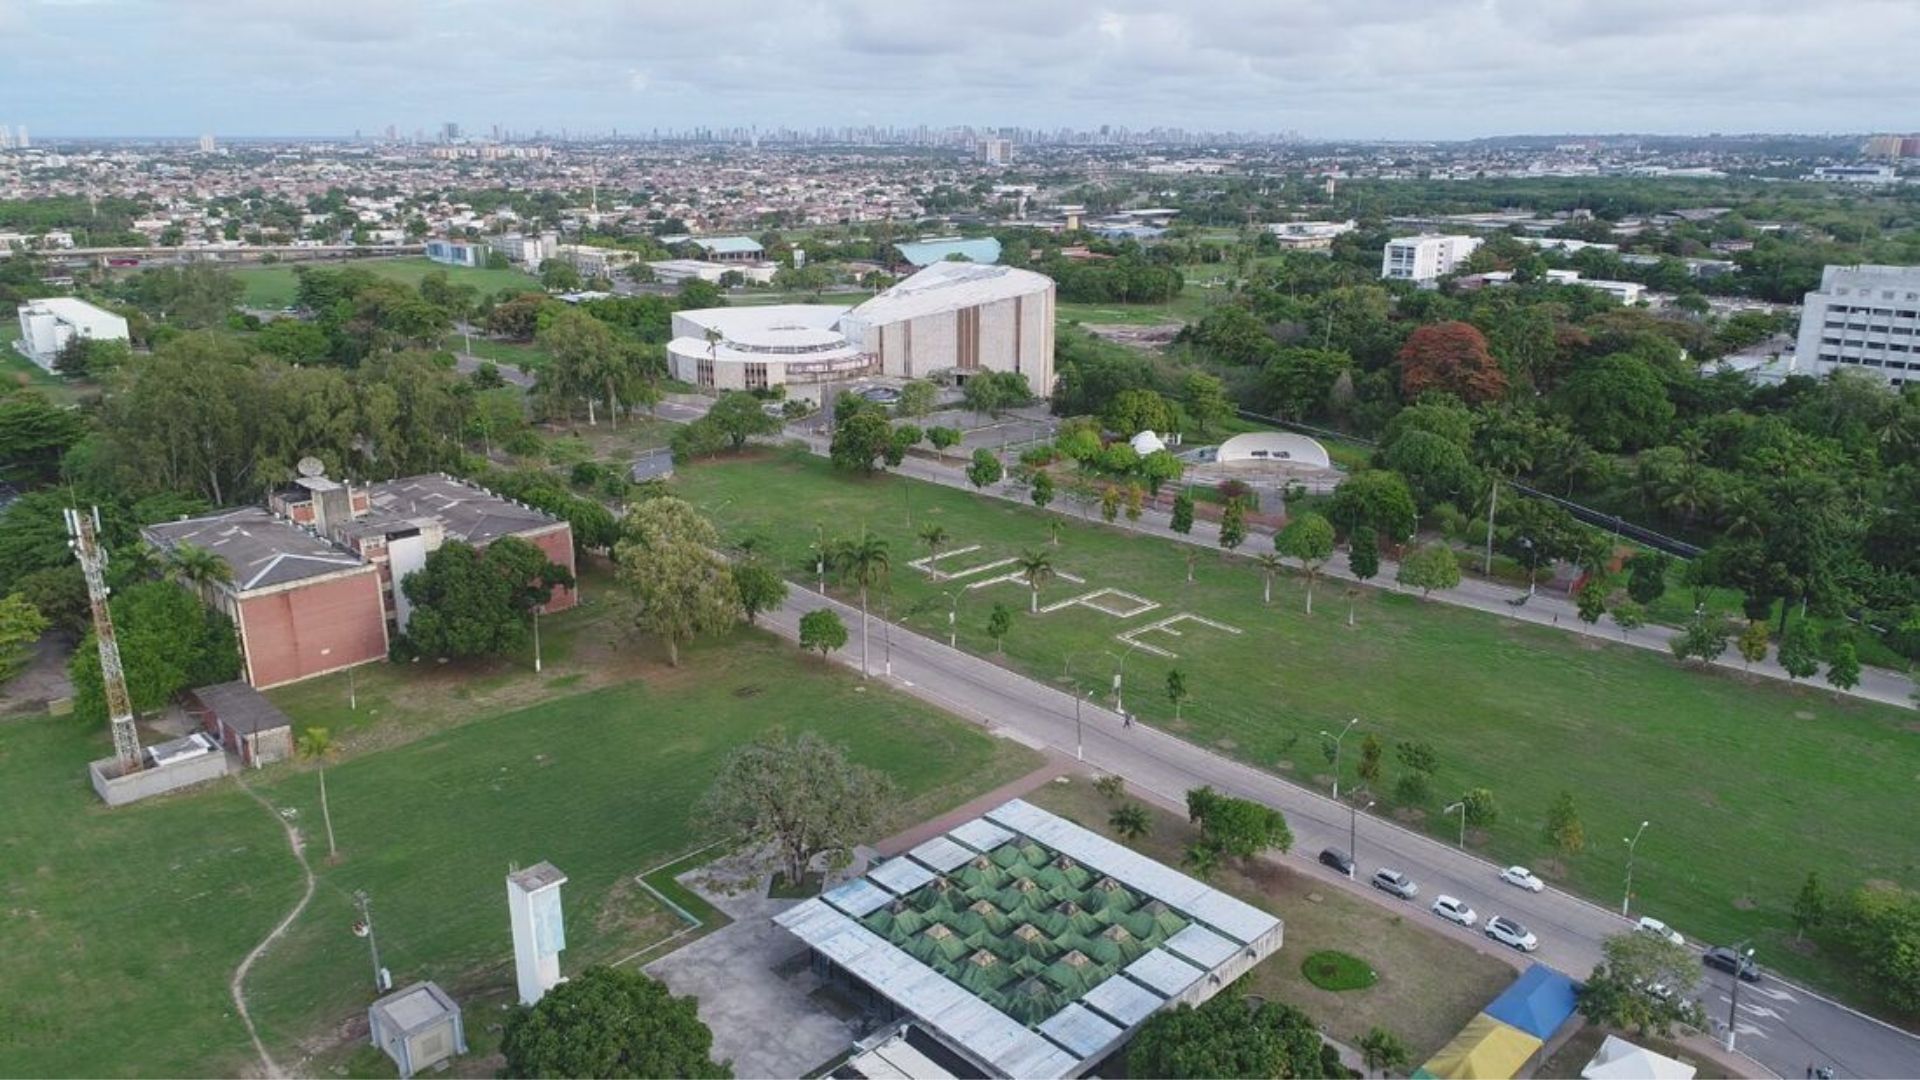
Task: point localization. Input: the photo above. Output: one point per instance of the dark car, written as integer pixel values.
(1336, 859)
(1731, 962)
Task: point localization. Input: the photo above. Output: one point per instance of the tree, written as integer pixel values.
(1363, 553)
(1134, 411)
(1270, 564)
(1880, 925)
(1480, 809)
(1435, 468)
(1371, 750)
(1564, 830)
(990, 391)
(1383, 1050)
(1233, 524)
(999, 621)
(21, 624)
(1206, 400)
(740, 416)
(1843, 671)
(169, 642)
(1110, 502)
(943, 439)
(609, 1022)
(1378, 499)
(866, 562)
(1176, 689)
(1227, 1039)
(1182, 522)
(1620, 992)
(1647, 576)
(1628, 616)
(760, 588)
(1429, 568)
(1451, 358)
(1239, 828)
(1703, 638)
(1308, 540)
(1041, 492)
(1591, 601)
(917, 398)
(1131, 821)
(1036, 566)
(859, 439)
(666, 558)
(1810, 906)
(1617, 402)
(799, 796)
(985, 469)
(1159, 468)
(558, 275)
(934, 536)
(315, 744)
(1752, 643)
(822, 631)
(1799, 650)
(477, 603)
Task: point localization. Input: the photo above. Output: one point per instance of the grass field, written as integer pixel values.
(1429, 985)
(527, 356)
(21, 371)
(272, 286)
(142, 913)
(1748, 784)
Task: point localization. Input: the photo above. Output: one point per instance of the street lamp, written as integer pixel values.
(1079, 745)
(1533, 563)
(1353, 827)
(1462, 807)
(1632, 843)
(953, 610)
(1119, 675)
(820, 555)
(886, 631)
(1742, 962)
(1337, 740)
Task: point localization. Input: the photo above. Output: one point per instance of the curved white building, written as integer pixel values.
(754, 348)
(1274, 446)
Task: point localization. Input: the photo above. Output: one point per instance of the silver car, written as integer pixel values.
(1395, 882)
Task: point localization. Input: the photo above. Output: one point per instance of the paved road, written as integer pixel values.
(1783, 1028)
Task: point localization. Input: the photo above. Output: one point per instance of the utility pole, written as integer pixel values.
(1741, 960)
(1631, 845)
(1337, 740)
(365, 904)
(83, 531)
(1493, 501)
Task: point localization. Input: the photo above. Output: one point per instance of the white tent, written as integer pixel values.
(1619, 1059)
(1147, 442)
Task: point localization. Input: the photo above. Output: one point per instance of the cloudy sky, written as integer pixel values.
(1326, 68)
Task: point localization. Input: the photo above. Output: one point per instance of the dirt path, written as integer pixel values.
(236, 985)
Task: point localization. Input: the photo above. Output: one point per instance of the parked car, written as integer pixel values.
(1732, 962)
(1454, 910)
(1660, 930)
(1523, 877)
(1337, 860)
(1507, 932)
(1395, 882)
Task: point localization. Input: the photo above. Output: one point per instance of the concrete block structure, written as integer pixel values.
(1425, 258)
(539, 929)
(168, 766)
(47, 326)
(243, 721)
(418, 1027)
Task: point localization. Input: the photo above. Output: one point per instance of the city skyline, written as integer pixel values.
(1452, 69)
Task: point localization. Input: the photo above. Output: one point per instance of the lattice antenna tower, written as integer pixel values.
(83, 529)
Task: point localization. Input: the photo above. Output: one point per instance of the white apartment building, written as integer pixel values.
(46, 326)
(523, 250)
(1426, 257)
(1863, 317)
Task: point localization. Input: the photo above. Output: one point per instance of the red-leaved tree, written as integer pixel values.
(1451, 357)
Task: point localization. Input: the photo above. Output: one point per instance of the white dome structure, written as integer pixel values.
(1146, 443)
(1274, 446)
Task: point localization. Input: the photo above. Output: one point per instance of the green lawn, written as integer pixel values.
(24, 372)
(527, 356)
(1743, 781)
(131, 921)
(272, 286)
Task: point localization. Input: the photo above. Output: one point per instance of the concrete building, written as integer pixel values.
(419, 1027)
(523, 250)
(468, 253)
(729, 248)
(798, 346)
(1027, 946)
(243, 721)
(674, 271)
(996, 151)
(1855, 174)
(1425, 258)
(47, 326)
(1309, 235)
(1864, 317)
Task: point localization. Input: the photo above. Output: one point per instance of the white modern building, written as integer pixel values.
(468, 253)
(46, 326)
(949, 321)
(523, 250)
(1426, 257)
(1863, 317)
(675, 271)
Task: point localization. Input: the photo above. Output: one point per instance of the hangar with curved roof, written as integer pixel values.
(1283, 446)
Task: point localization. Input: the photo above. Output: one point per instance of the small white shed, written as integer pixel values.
(418, 1027)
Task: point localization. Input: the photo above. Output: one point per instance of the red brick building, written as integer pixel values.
(314, 571)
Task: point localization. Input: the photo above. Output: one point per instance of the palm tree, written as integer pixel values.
(1131, 821)
(1037, 568)
(197, 567)
(933, 536)
(316, 745)
(864, 561)
(1270, 564)
(1054, 528)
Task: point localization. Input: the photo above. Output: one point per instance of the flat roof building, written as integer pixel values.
(468, 253)
(48, 326)
(1425, 258)
(729, 248)
(1027, 945)
(1865, 318)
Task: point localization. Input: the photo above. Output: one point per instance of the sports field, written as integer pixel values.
(122, 927)
(1748, 785)
(272, 286)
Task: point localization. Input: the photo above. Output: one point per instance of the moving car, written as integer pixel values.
(1508, 932)
(1454, 910)
(1337, 860)
(1660, 930)
(1732, 962)
(1523, 877)
(1395, 882)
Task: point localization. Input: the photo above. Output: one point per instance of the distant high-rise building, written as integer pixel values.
(206, 144)
(6, 137)
(450, 131)
(996, 151)
(21, 141)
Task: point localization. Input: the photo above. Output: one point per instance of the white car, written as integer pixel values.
(1660, 930)
(1523, 877)
(1455, 910)
(1507, 932)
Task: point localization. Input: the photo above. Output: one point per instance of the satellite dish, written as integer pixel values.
(311, 466)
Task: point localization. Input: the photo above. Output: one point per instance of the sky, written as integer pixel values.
(1359, 69)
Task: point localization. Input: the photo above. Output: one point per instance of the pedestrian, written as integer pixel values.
(1126, 719)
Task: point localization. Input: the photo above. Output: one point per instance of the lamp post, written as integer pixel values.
(886, 631)
(1742, 962)
(1337, 740)
(1631, 843)
(1462, 807)
(953, 610)
(1079, 745)
(820, 555)
(1119, 676)
(1353, 828)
